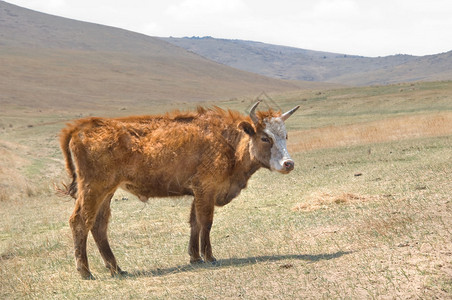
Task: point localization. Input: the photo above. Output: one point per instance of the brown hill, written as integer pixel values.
(301, 64)
(49, 61)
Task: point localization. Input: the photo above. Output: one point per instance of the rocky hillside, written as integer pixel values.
(300, 64)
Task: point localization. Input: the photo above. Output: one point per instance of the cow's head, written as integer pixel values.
(268, 139)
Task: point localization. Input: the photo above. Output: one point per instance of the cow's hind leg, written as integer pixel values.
(99, 232)
(81, 221)
(80, 235)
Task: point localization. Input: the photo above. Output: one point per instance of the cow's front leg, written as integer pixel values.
(201, 219)
(206, 247)
(193, 247)
(204, 216)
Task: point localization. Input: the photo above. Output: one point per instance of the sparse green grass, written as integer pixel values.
(367, 104)
(389, 238)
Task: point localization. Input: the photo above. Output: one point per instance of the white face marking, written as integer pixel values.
(276, 130)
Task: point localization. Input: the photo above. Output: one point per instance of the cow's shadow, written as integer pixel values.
(221, 263)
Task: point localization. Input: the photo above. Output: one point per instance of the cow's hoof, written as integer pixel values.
(88, 276)
(120, 273)
(196, 261)
(212, 260)
(85, 273)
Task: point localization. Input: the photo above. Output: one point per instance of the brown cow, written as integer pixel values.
(209, 154)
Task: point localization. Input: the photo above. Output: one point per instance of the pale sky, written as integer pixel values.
(359, 27)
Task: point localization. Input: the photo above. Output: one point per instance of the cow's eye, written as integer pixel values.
(287, 136)
(265, 139)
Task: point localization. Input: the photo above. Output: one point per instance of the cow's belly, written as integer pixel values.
(157, 187)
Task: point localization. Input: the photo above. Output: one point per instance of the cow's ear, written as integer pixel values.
(247, 127)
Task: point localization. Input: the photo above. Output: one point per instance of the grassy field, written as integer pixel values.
(366, 214)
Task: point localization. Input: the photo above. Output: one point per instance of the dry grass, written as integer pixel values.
(318, 233)
(11, 179)
(391, 129)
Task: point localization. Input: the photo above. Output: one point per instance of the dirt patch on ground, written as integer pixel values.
(323, 200)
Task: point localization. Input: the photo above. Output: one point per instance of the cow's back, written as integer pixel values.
(152, 155)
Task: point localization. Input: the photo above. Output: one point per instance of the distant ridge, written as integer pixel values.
(300, 64)
(57, 62)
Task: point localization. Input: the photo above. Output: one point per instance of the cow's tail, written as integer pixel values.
(71, 189)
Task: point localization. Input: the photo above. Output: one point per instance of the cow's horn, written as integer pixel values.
(286, 115)
(253, 112)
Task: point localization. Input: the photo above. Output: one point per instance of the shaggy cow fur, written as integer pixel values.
(209, 154)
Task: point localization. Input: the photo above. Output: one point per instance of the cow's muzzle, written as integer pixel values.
(289, 165)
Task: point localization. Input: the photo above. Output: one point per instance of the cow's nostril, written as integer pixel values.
(289, 165)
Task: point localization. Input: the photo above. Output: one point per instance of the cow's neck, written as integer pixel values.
(245, 165)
